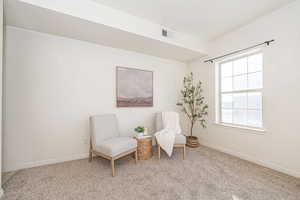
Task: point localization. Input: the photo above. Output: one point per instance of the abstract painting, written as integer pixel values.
(134, 87)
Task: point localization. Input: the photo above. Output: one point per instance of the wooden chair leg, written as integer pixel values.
(136, 156)
(184, 152)
(158, 150)
(91, 156)
(113, 167)
(91, 152)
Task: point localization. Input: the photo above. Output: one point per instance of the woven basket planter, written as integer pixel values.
(192, 141)
(144, 148)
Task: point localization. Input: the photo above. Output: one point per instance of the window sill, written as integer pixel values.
(259, 131)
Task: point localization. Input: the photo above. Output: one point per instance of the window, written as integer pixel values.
(240, 90)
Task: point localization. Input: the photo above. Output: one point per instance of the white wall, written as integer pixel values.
(53, 84)
(1, 67)
(279, 146)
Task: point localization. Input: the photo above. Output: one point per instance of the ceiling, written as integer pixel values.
(46, 20)
(204, 18)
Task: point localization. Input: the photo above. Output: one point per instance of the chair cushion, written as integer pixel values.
(115, 146)
(103, 127)
(180, 139)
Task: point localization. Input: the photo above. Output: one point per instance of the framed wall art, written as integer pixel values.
(134, 87)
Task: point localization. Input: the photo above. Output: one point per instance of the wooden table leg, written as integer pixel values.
(91, 153)
(136, 156)
(184, 152)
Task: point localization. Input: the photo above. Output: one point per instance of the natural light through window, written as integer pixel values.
(240, 91)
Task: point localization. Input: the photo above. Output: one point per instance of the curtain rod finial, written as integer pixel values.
(241, 50)
(268, 42)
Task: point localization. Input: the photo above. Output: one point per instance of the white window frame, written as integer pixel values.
(219, 91)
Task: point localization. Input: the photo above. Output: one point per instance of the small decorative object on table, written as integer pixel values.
(140, 130)
(193, 105)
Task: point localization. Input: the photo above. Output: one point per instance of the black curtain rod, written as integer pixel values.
(234, 52)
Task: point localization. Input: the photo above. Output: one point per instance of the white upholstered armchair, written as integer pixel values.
(180, 139)
(106, 140)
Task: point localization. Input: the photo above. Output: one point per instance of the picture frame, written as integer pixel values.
(134, 87)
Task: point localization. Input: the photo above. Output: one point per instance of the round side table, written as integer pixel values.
(144, 148)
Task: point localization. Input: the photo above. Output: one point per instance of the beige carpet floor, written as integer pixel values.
(206, 174)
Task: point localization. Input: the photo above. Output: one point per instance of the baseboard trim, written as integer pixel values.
(47, 162)
(267, 164)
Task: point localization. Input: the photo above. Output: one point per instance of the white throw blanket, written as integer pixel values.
(171, 127)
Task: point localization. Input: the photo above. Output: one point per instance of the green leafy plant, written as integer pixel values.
(139, 129)
(192, 102)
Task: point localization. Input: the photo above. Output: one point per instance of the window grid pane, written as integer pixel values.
(239, 104)
(238, 109)
(226, 116)
(226, 69)
(226, 84)
(240, 82)
(227, 102)
(240, 66)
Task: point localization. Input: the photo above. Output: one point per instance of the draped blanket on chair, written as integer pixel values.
(166, 137)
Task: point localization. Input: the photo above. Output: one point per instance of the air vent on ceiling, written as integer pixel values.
(164, 33)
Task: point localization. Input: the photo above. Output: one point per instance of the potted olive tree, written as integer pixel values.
(193, 105)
